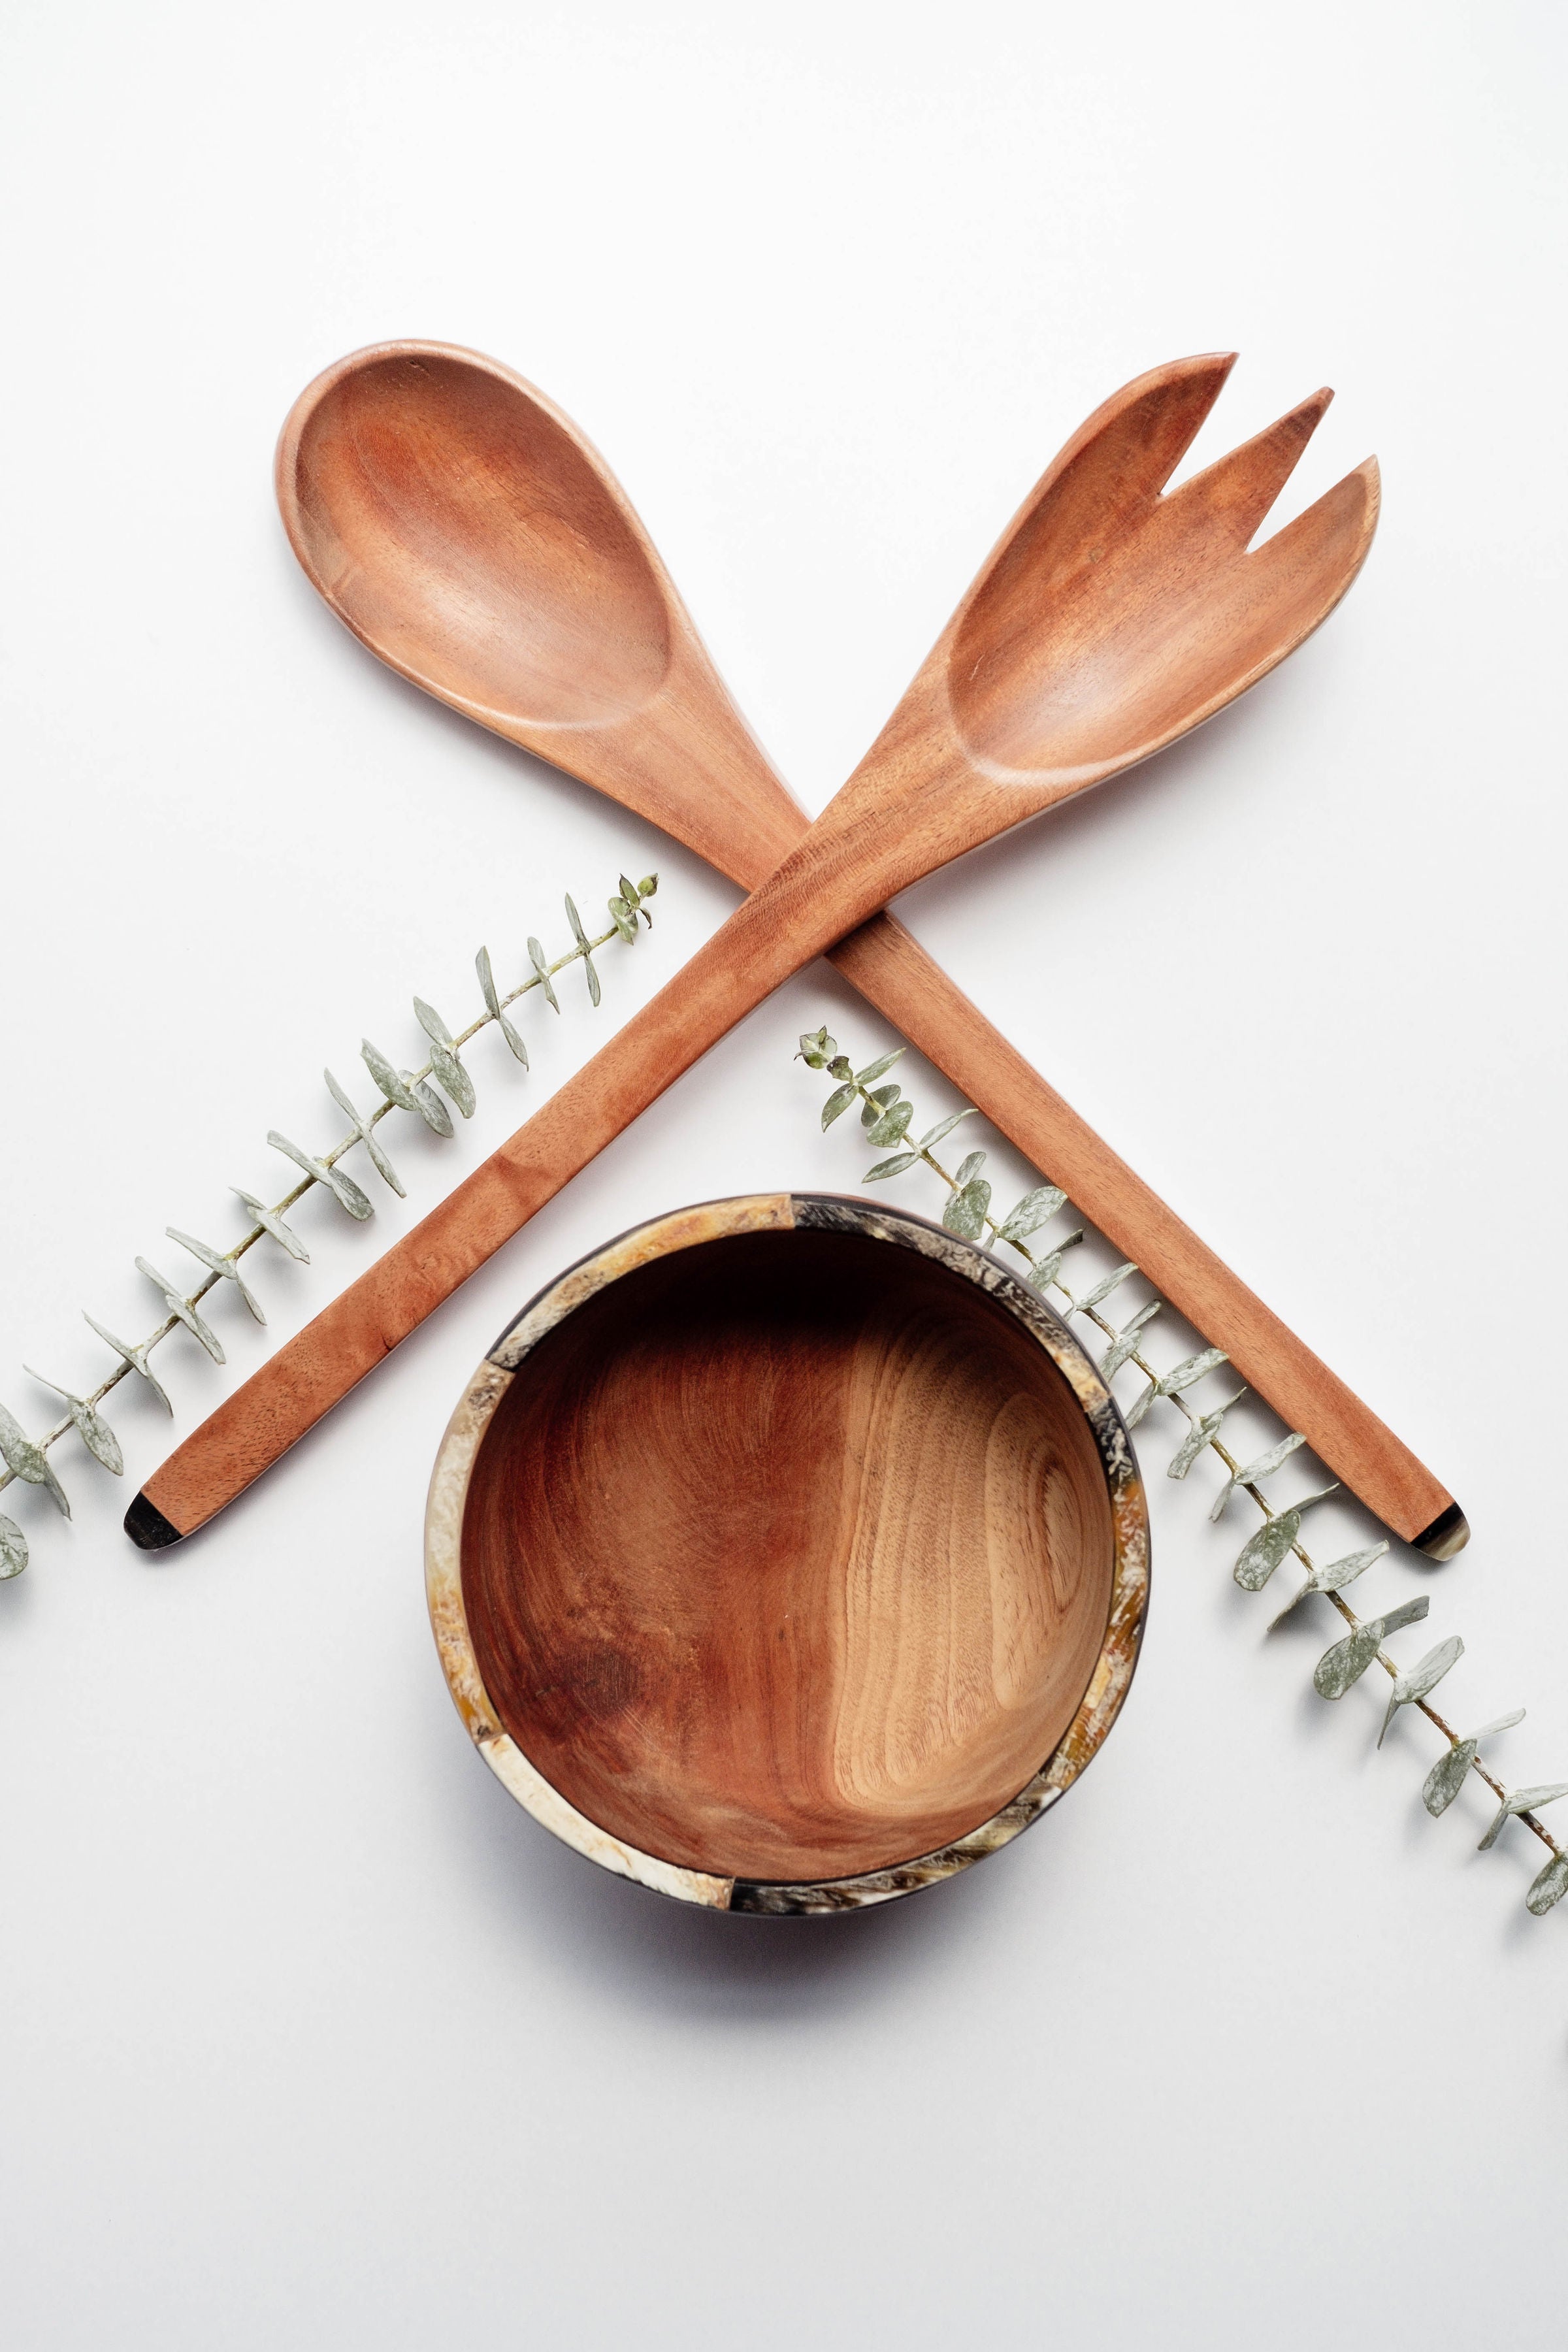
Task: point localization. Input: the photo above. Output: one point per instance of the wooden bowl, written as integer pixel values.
(787, 1555)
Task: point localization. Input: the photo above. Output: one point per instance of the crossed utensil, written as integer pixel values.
(475, 541)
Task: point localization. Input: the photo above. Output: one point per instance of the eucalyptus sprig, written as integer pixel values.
(26, 1458)
(887, 1116)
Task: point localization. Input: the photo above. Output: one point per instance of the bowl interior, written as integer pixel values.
(788, 1556)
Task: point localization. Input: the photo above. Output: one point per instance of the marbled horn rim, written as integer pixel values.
(685, 1229)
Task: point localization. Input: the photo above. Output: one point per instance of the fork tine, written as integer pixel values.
(1117, 463)
(1303, 571)
(1234, 494)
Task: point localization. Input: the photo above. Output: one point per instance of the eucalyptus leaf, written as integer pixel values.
(1126, 1340)
(135, 1356)
(965, 1211)
(621, 916)
(875, 1069)
(893, 1167)
(816, 1048)
(879, 1101)
(430, 1107)
(225, 1267)
(12, 1549)
(893, 1125)
(1263, 1551)
(1140, 1405)
(1423, 1677)
(590, 974)
(92, 1428)
(272, 1222)
(1548, 1888)
(366, 1134)
(628, 931)
(1202, 1432)
(1035, 1210)
(1333, 1577)
(29, 1461)
(575, 919)
(1346, 1662)
(536, 958)
(838, 1104)
(513, 1039)
(1447, 1777)
(393, 1088)
(1522, 1800)
(343, 1189)
(183, 1309)
(968, 1170)
(1103, 1289)
(1252, 1472)
(1187, 1374)
(1044, 1271)
(943, 1127)
(454, 1077)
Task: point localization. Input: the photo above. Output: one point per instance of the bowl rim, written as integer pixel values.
(688, 1228)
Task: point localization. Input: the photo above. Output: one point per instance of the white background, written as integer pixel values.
(311, 2037)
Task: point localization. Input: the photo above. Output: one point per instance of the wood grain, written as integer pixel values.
(1108, 620)
(788, 1558)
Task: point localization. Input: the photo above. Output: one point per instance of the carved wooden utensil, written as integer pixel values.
(497, 565)
(888, 1572)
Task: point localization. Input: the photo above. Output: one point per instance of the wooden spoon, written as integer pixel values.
(472, 537)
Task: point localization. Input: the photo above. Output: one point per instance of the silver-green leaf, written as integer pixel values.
(943, 1127)
(836, 1104)
(1103, 1289)
(1035, 1210)
(366, 1134)
(893, 1167)
(225, 1267)
(1045, 1270)
(875, 1069)
(1202, 1432)
(536, 958)
(12, 1549)
(1522, 1800)
(893, 1125)
(1346, 1662)
(29, 1461)
(965, 1211)
(92, 1428)
(1549, 1887)
(343, 1189)
(1251, 1473)
(1423, 1676)
(183, 1310)
(1125, 1343)
(1188, 1375)
(1332, 1579)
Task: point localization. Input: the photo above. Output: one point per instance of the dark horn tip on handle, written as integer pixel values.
(146, 1525)
(1448, 1533)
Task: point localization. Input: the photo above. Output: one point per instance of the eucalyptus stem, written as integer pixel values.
(26, 1458)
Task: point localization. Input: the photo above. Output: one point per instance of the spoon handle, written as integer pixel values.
(777, 929)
